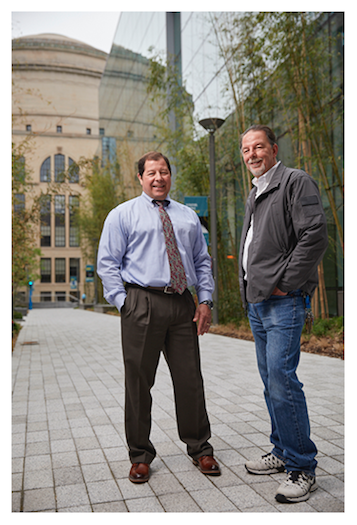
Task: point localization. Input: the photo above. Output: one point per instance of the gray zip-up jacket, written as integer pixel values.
(289, 236)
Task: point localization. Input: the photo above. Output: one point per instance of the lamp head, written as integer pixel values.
(211, 124)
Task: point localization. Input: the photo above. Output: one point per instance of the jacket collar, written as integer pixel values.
(276, 179)
(274, 183)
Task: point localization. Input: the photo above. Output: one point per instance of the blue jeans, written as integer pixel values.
(277, 325)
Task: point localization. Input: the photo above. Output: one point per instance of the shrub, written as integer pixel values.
(327, 327)
(16, 327)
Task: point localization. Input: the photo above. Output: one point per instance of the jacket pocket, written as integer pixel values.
(310, 205)
(277, 233)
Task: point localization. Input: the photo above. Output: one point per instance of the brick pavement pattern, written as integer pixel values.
(69, 450)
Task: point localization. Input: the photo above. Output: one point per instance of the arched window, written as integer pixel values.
(59, 168)
(45, 171)
(73, 170)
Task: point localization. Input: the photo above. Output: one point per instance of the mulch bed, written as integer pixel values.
(328, 346)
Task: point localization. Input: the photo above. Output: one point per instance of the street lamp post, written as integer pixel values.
(30, 295)
(211, 125)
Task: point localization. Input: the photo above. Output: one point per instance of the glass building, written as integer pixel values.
(127, 114)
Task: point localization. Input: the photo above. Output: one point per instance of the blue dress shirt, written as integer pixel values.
(132, 249)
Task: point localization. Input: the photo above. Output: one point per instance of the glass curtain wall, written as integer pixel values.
(141, 36)
(126, 112)
(203, 68)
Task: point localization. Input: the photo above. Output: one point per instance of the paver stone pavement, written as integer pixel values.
(68, 441)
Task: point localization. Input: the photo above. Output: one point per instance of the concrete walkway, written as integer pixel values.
(69, 450)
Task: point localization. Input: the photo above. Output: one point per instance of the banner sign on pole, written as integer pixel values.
(198, 204)
(89, 273)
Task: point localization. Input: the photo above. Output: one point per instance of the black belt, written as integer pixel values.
(297, 292)
(163, 289)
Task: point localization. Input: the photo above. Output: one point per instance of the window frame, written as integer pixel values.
(45, 220)
(73, 173)
(43, 274)
(45, 171)
(60, 270)
(74, 266)
(60, 167)
(60, 221)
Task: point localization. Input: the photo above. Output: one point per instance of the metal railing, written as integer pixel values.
(51, 301)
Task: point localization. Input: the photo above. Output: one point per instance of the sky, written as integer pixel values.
(94, 28)
(97, 28)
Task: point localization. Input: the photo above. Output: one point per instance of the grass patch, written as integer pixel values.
(332, 327)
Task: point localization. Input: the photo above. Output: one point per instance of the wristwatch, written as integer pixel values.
(208, 303)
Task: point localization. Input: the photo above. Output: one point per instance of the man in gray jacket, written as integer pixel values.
(283, 240)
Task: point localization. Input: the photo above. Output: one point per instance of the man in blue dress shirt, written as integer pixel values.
(134, 267)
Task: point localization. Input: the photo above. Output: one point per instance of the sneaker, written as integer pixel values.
(296, 487)
(268, 464)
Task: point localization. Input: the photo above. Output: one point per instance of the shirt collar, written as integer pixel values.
(150, 199)
(266, 178)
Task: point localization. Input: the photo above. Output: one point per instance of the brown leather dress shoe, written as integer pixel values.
(139, 473)
(208, 465)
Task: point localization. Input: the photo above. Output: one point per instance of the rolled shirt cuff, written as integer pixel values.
(119, 300)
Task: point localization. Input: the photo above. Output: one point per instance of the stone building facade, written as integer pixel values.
(55, 107)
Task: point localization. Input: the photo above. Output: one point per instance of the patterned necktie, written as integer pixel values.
(178, 275)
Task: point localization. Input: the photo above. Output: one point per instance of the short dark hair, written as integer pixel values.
(151, 155)
(259, 127)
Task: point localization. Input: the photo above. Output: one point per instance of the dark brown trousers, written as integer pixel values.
(152, 322)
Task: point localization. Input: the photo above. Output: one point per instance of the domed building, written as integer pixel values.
(55, 109)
